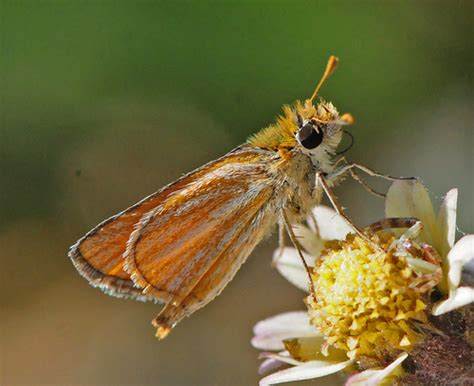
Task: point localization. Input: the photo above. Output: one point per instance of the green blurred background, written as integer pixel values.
(103, 102)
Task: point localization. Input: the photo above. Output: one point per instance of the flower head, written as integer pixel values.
(374, 298)
(365, 297)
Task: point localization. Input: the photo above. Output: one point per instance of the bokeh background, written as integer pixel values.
(103, 102)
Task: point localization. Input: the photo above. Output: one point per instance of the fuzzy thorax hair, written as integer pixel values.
(281, 135)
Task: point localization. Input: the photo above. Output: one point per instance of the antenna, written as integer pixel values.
(330, 67)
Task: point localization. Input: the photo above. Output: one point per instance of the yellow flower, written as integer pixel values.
(373, 302)
(365, 297)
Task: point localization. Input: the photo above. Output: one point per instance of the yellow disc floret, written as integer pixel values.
(364, 301)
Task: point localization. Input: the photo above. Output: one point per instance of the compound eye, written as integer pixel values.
(310, 136)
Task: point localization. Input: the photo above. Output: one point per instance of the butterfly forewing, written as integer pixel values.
(180, 231)
(197, 229)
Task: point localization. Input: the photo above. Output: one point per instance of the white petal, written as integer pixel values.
(308, 370)
(334, 356)
(291, 267)
(283, 356)
(375, 377)
(468, 273)
(447, 220)
(311, 242)
(458, 256)
(457, 298)
(411, 199)
(273, 361)
(331, 226)
(270, 333)
(269, 365)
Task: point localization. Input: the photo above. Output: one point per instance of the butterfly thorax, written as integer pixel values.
(296, 165)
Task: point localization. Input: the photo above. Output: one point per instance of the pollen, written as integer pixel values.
(365, 303)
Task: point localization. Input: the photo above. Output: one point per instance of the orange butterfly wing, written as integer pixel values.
(187, 249)
(98, 256)
(245, 233)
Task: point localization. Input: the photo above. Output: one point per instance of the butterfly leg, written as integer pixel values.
(343, 169)
(296, 244)
(349, 167)
(281, 243)
(391, 222)
(366, 186)
(321, 181)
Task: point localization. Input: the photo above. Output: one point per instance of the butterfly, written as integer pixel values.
(181, 245)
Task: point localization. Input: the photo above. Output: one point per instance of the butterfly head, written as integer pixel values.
(318, 129)
(314, 129)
